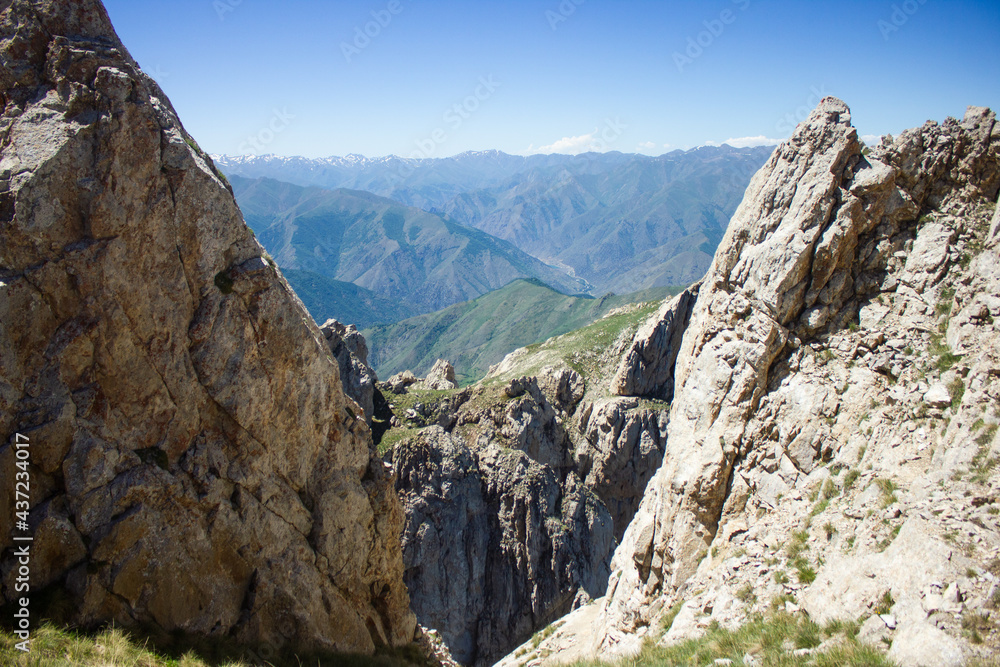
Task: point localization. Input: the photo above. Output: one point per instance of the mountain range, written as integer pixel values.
(613, 222)
(621, 224)
(396, 252)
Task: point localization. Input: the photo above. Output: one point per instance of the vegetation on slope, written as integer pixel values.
(115, 647)
(477, 334)
(592, 351)
(777, 640)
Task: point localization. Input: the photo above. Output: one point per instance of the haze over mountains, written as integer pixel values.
(609, 222)
(621, 222)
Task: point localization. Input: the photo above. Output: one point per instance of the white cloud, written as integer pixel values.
(871, 139)
(646, 147)
(745, 142)
(572, 145)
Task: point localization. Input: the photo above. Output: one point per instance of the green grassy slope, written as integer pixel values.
(476, 334)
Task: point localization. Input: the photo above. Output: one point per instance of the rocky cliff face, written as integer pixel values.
(647, 367)
(350, 350)
(847, 323)
(515, 491)
(496, 544)
(502, 536)
(195, 463)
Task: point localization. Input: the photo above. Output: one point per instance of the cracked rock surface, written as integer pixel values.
(195, 463)
(847, 324)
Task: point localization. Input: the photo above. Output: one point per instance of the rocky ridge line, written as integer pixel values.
(831, 248)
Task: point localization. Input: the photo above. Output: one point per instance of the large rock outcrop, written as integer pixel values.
(647, 367)
(620, 450)
(496, 543)
(573, 449)
(825, 233)
(350, 349)
(441, 376)
(195, 463)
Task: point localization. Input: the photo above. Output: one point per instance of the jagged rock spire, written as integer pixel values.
(812, 241)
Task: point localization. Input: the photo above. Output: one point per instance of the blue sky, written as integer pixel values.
(436, 78)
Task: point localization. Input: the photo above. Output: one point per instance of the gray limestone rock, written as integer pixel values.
(496, 545)
(564, 387)
(622, 448)
(350, 350)
(400, 382)
(197, 466)
(995, 225)
(822, 232)
(937, 396)
(440, 377)
(647, 369)
(928, 261)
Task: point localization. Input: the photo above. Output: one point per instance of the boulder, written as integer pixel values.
(938, 396)
(441, 376)
(923, 645)
(563, 386)
(400, 382)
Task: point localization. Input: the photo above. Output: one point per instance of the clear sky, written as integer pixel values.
(439, 77)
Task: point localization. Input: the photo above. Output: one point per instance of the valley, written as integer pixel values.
(417, 259)
(622, 223)
(477, 334)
